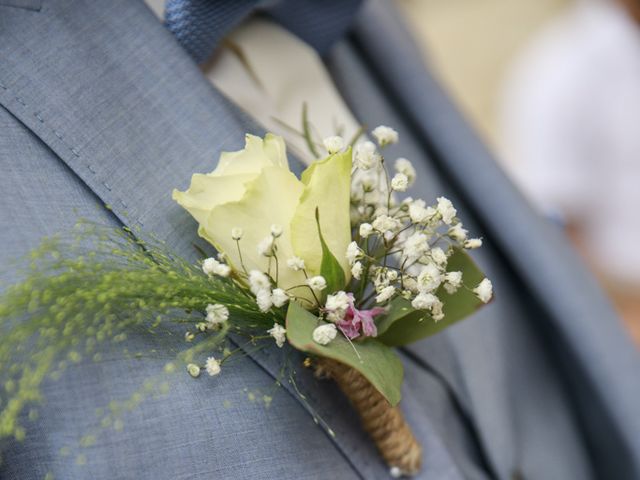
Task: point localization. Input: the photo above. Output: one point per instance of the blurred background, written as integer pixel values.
(553, 86)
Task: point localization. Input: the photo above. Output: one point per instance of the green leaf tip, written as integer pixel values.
(403, 324)
(330, 268)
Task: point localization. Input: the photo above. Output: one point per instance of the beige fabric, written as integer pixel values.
(270, 73)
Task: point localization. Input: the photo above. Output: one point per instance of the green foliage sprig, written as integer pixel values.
(79, 296)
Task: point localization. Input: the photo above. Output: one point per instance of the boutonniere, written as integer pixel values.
(334, 263)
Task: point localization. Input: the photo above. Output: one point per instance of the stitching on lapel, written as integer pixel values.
(73, 150)
(33, 5)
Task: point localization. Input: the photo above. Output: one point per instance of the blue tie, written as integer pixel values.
(199, 25)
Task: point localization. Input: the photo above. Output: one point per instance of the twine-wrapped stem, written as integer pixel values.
(385, 424)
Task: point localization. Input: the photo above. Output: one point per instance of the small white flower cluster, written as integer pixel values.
(279, 334)
(324, 334)
(212, 366)
(216, 314)
(260, 285)
(264, 286)
(365, 156)
(385, 135)
(336, 306)
(317, 283)
(403, 248)
(211, 266)
(267, 246)
(333, 144)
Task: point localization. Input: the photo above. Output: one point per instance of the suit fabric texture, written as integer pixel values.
(100, 105)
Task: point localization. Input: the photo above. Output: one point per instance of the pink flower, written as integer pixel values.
(356, 320)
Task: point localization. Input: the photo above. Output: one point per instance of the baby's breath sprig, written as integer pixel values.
(400, 249)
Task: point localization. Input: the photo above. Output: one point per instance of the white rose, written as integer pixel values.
(252, 189)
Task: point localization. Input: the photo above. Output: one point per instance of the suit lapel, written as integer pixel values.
(119, 108)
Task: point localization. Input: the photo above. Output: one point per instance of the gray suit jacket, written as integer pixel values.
(99, 105)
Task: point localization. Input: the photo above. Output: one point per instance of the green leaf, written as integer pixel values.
(398, 310)
(330, 268)
(327, 187)
(376, 362)
(404, 325)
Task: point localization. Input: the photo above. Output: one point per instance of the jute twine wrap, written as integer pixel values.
(384, 423)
